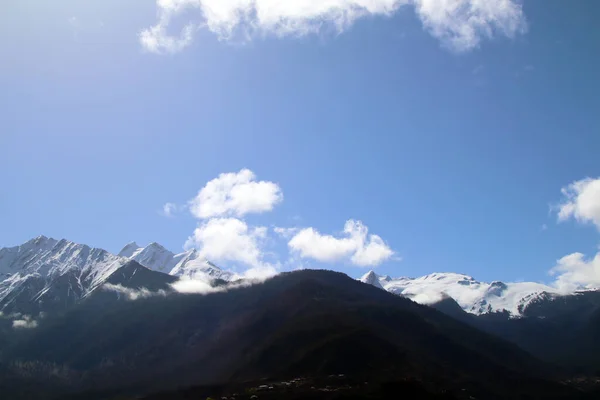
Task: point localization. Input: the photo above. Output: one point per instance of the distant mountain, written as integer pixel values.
(560, 329)
(310, 324)
(472, 296)
(555, 327)
(371, 278)
(50, 275)
(188, 264)
(45, 274)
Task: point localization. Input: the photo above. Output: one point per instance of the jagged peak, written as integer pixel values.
(155, 245)
(129, 249)
(369, 275)
(371, 278)
(38, 240)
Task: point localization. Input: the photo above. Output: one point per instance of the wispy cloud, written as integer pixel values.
(459, 24)
(169, 209)
(132, 294)
(286, 233)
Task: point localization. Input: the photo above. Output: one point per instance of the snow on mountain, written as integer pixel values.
(46, 269)
(48, 274)
(153, 256)
(200, 269)
(23, 258)
(129, 249)
(372, 279)
(50, 258)
(188, 265)
(473, 296)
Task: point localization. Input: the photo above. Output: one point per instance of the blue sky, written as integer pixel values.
(449, 146)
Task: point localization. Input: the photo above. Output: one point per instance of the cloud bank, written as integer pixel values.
(458, 24)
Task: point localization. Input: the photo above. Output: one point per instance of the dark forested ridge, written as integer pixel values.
(306, 324)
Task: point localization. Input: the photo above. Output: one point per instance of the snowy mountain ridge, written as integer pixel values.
(45, 268)
(45, 271)
(188, 264)
(472, 296)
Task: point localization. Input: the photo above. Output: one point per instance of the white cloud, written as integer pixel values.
(25, 323)
(581, 201)
(575, 271)
(251, 277)
(156, 40)
(235, 194)
(261, 273)
(357, 246)
(196, 286)
(462, 24)
(229, 239)
(459, 24)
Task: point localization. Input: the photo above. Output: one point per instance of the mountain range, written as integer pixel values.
(472, 296)
(79, 322)
(45, 274)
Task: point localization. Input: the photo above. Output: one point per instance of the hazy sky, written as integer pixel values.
(409, 136)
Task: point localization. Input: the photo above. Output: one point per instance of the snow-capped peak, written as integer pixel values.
(153, 256)
(38, 264)
(189, 264)
(371, 278)
(129, 249)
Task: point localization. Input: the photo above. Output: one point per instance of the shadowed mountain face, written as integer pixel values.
(562, 330)
(135, 276)
(307, 323)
